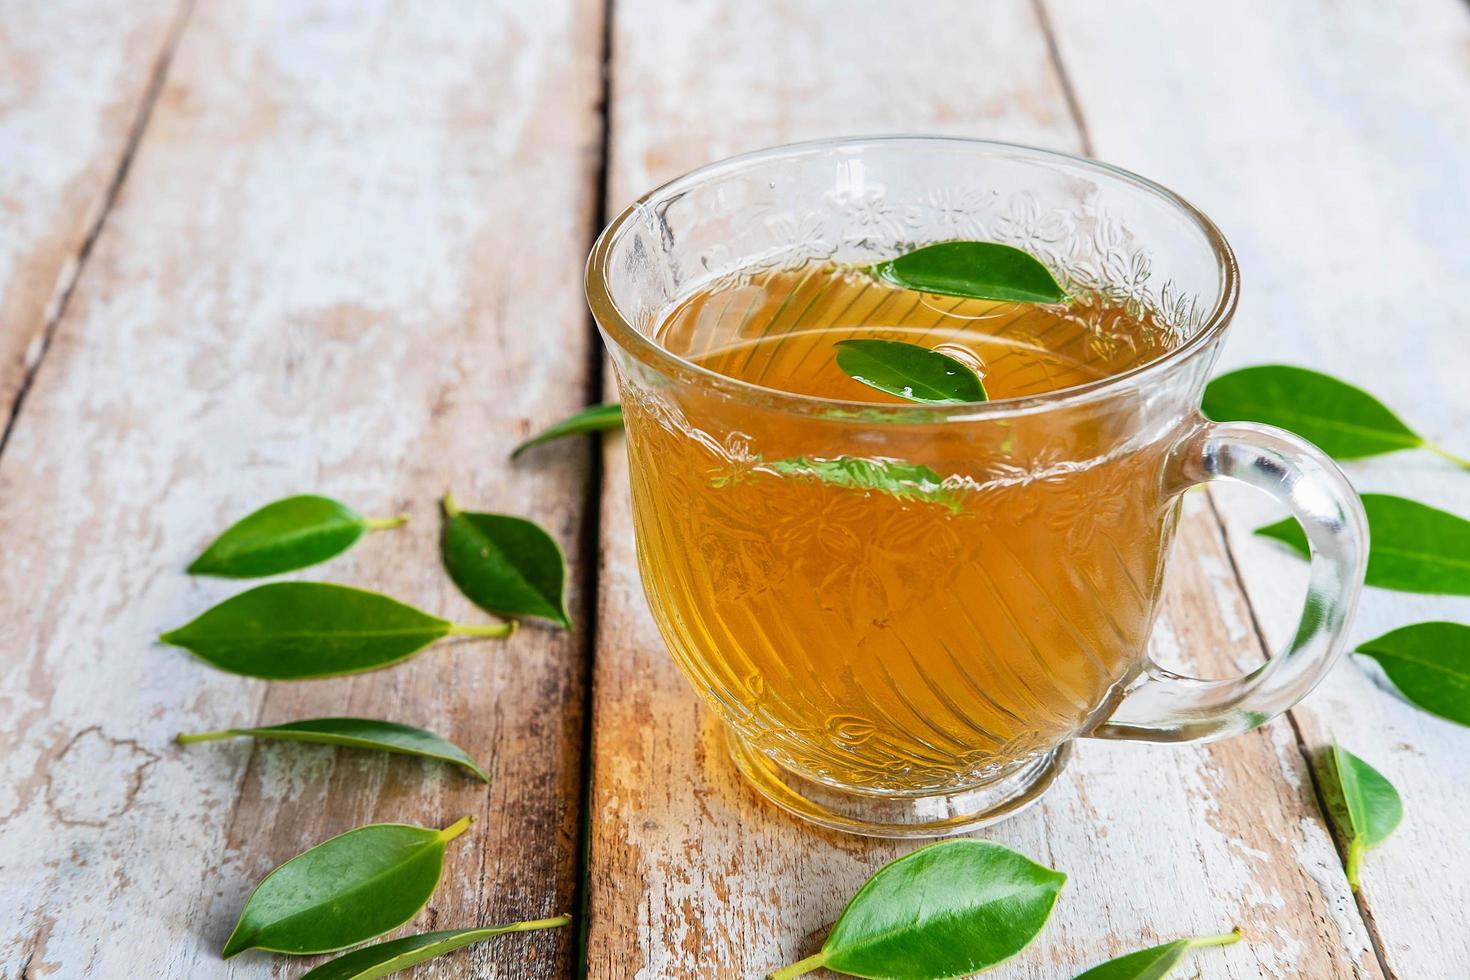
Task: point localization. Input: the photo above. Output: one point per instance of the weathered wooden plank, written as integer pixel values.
(75, 81)
(692, 874)
(1343, 192)
(346, 261)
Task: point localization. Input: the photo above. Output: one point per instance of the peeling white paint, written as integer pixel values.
(341, 256)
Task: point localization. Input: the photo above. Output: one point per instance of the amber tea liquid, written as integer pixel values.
(921, 637)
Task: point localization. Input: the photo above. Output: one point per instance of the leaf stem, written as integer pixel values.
(384, 523)
(1224, 939)
(552, 923)
(187, 738)
(455, 829)
(482, 629)
(1444, 453)
(799, 968)
(1355, 860)
(451, 509)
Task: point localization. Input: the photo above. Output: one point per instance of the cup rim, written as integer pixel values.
(628, 337)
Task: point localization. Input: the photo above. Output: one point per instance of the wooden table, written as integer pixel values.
(251, 248)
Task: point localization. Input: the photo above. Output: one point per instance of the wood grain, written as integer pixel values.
(692, 875)
(1343, 192)
(75, 82)
(346, 260)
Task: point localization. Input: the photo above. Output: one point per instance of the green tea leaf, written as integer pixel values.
(345, 890)
(356, 733)
(1343, 421)
(299, 630)
(594, 418)
(505, 565)
(906, 481)
(1372, 802)
(909, 371)
(976, 270)
(1372, 807)
(1430, 665)
(946, 910)
(384, 959)
(1155, 962)
(286, 535)
(1412, 547)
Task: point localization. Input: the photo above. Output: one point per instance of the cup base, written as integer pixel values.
(939, 815)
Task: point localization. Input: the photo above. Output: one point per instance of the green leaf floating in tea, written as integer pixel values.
(384, 959)
(354, 733)
(300, 630)
(505, 565)
(906, 481)
(1429, 663)
(975, 270)
(1365, 805)
(345, 890)
(1343, 421)
(946, 910)
(1155, 962)
(1412, 547)
(286, 535)
(594, 418)
(910, 371)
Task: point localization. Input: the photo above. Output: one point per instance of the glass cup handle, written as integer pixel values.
(1166, 707)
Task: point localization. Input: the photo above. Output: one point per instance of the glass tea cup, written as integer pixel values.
(915, 660)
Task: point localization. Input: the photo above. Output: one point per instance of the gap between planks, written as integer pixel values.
(1079, 119)
(71, 268)
(592, 524)
(1370, 923)
(1064, 80)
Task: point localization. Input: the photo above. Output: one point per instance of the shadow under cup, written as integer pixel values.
(914, 659)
